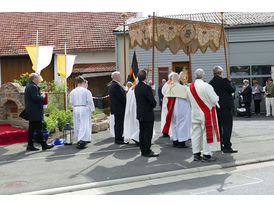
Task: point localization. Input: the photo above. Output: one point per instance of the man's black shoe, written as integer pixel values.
(165, 135)
(182, 145)
(120, 142)
(208, 158)
(137, 143)
(197, 157)
(175, 143)
(229, 150)
(32, 148)
(46, 146)
(151, 154)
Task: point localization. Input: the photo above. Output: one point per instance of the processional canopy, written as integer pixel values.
(177, 34)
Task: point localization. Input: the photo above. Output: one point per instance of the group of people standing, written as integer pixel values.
(256, 92)
(200, 111)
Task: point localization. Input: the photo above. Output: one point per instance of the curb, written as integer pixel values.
(93, 185)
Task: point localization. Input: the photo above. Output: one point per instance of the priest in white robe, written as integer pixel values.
(176, 119)
(82, 103)
(131, 124)
(205, 133)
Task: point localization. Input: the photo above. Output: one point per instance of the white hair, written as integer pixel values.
(170, 75)
(245, 80)
(32, 76)
(199, 73)
(217, 70)
(114, 74)
(175, 76)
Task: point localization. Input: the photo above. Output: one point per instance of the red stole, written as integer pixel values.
(209, 116)
(170, 107)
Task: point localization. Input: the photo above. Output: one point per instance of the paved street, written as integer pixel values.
(103, 161)
(255, 179)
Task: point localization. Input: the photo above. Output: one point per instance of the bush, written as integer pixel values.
(51, 124)
(97, 111)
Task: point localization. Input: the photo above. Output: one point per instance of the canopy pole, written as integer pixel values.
(153, 42)
(189, 68)
(66, 87)
(125, 64)
(36, 56)
(224, 42)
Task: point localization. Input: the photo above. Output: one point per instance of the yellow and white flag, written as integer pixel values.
(44, 56)
(65, 64)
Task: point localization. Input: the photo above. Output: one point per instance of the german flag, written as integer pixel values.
(132, 76)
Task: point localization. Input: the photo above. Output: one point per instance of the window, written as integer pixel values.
(250, 72)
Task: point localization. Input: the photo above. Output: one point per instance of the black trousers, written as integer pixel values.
(225, 121)
(35, 126)
(257, 106)
(119, 127)
(247, 107)
(145, 136)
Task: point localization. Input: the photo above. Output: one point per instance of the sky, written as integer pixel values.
(144, 6)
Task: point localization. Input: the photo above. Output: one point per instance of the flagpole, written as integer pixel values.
(36, 56)
(66, 102)
(124, 15)
(223, 34)
(153, 51)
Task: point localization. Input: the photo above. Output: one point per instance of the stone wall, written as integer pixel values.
(11, 103)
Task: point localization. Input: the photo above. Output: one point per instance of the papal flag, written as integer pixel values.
(44, 56)
(132, 75)
(65, 64)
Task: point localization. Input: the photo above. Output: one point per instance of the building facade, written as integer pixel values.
(250, 53)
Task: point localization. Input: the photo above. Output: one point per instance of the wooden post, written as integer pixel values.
(153, 42)
(125, 63)
(189, 68)
(224, 42)
(36, 59)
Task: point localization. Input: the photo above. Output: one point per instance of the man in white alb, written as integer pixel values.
(82, 103)
(131, 123)
(177, 117)
(205, 133)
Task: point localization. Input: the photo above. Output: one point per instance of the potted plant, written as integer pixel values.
(45, 130)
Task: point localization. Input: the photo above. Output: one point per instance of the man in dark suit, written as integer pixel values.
(35, 113)
(224, 90)
(247, 97)
(145, 104)
(117, 106)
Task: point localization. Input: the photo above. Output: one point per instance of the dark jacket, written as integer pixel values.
(117, 99)
(247, 95)
(160, 95)
(224, 90)
(145, 102)
(33, 102)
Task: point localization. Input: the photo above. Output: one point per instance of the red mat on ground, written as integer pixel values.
(12, 135)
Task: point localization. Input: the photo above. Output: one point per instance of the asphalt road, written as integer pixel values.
(102, 160)
(255, 179)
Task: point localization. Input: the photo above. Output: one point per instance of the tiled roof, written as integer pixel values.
(96, 67)
(82, 31)
(230, 18)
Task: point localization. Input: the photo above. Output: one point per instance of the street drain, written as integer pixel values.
(15, 184)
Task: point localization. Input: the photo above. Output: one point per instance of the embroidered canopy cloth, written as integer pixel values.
(176, 34)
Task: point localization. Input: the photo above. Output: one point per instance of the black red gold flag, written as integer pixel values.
(132, 75)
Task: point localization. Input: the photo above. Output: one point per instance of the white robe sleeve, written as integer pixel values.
(90, 101)
(211, 96)
(71, 99)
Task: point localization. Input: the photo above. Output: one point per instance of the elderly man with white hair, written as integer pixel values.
(117, 106)
(177, 115)
(224, 90)
(205, 133)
